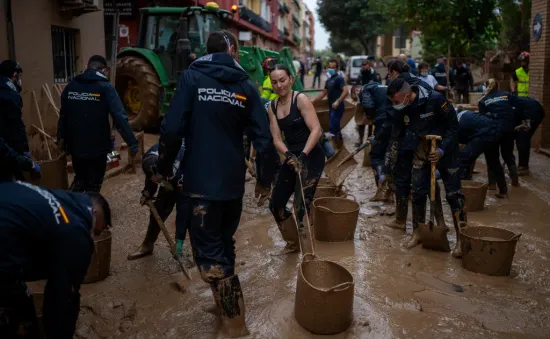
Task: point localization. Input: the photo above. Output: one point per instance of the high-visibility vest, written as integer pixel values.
(523, 82)
(267, 90)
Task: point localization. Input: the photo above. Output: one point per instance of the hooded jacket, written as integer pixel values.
(46, 234)
(378, 108)
(474, 125)
(83, 125)
(499, 105)
(215, 102)
(12, 128)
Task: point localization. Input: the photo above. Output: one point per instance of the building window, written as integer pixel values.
(400, 38)
(64, 54)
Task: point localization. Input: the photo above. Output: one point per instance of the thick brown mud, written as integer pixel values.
(398, 293)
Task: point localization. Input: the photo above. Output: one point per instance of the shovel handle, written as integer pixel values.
(515, 237)
(340, 287)
(306, 217)
(169, 239)
(433, 139)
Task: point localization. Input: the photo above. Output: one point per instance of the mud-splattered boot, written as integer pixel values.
(401, 211)
(523, 171)
(148, 244)
(232, 307)
(459, 221)
(215, 309)
(361, 132)
(289, 232)
(419, 217)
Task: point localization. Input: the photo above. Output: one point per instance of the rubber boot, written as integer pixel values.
(232, 307)
(523, 171)
(289, 232)
(438, 211)
(401, 211)
(215, 309)
(148, 244)
(459, 221)
(419, 216)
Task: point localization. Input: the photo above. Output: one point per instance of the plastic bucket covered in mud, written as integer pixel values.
(329, 191)
(324, 297)
(101, 258)
(53, 174)
(475, 193)
(488, 250)
(335, 219)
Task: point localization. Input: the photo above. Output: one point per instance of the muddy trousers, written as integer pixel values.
(286, 183)
(212, 225)
(506, 147)
(377, 156)
(361, 131)
(89, 173)
(523, 144)
(469, 154)
(448, 168)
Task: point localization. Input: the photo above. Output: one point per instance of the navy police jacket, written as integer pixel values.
(83, 123)
(215, 102)
(528, 109)
(430, 113)
(440, 74)
(12, 162)
(378, 108)
(499, 105)
(46, 234)
(12, 128)
(474, 125)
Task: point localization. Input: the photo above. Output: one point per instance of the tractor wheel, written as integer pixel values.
(138, 85)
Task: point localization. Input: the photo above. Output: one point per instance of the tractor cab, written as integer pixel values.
(161, 29)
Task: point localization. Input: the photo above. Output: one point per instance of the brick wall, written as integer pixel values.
(539, 67)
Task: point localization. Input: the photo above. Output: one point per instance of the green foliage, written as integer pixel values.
(352, 20)
(469, 27)
(346, 46)
(515, 31)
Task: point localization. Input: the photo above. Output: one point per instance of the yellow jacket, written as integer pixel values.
(267, 89)
(523, 82)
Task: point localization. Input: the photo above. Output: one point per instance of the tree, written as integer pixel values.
(469, 27)
(352, 20)
(346, 46)
(515, 33)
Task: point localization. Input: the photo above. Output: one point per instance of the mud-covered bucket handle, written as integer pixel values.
(350, 195)
(340, 287)
(515, 237)
(309, 256)
(324, 208)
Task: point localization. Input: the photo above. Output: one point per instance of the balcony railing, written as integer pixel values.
(281, 34)
(297, 3)
(255, 19)
(285, 31)
(296, 39)
(280, 7)
(296, 19)
(285, 8)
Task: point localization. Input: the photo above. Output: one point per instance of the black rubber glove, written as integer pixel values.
(291, 159)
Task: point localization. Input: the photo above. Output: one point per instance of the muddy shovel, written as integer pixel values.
(352, 154)
(305, 233)
(433, 237)
(171, 243)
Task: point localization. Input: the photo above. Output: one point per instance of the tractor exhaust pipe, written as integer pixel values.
(183, 48)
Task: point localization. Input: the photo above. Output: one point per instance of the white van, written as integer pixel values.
(353, 69)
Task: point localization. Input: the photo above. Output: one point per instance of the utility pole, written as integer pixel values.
(114, 41)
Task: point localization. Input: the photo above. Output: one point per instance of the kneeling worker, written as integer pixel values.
(46, 234)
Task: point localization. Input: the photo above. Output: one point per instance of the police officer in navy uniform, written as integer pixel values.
(215, 102)
(12, 128)
(422, 113)
(83, 129)
(439, 72)
(529, 115)
(480, 134)
(45, 235)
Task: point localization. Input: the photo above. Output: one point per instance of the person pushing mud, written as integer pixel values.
(215, 102)
(293, 115)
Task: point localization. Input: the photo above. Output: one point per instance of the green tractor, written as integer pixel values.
(147, 75)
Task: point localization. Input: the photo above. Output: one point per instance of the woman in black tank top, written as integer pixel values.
(294, 116)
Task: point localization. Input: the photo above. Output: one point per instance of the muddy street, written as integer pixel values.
(398, 293)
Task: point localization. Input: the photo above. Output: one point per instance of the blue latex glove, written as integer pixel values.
(27, 154)
(381, 178)
(35, 171)
(371, 139)
(437, 175)
(134, 149)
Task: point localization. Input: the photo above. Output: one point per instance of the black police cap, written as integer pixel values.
(8, 67)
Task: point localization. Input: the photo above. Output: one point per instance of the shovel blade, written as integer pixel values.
(434, 237)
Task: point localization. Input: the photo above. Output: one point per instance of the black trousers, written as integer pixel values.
(523, 143)
(506, 148)
(212, 225)
(89, 173)
(285, 185)
(18, 311)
